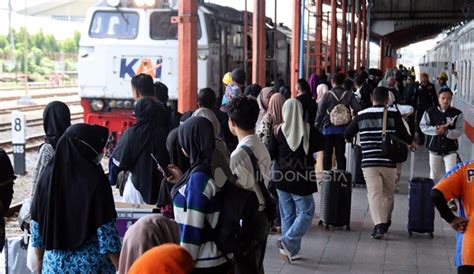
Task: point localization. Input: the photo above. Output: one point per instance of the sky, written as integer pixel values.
(409, 55)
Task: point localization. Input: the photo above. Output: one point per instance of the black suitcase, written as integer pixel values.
(421, 212)
(336, 198)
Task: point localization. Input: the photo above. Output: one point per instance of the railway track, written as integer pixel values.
(40, 96)
(33, 142)
(36, 122)
(34, 107)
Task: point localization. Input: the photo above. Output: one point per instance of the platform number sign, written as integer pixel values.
(18, 141)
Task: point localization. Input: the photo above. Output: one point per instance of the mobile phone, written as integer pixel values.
(166, 173)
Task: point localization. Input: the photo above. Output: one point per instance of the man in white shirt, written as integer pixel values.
(243, 114)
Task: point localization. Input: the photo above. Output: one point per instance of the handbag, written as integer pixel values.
(393, 147)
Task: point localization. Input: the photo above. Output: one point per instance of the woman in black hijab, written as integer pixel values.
(133, 153)
(73, 212)
(178, 159)
(195, 196)
(56, 119)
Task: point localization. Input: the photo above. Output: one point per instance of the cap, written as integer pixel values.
(443, 75)
(227, 79)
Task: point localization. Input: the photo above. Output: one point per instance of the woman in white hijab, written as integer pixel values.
(294, 178)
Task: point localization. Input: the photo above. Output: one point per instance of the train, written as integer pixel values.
(454, 55)
(122, 38)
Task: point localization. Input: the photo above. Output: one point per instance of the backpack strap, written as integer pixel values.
(258, 175)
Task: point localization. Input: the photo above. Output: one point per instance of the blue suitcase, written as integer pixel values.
(421, 212)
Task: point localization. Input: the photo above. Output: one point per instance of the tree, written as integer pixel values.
(77, 38)
(69, 46)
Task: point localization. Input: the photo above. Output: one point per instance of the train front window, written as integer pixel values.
(161, 27)
(114, 24)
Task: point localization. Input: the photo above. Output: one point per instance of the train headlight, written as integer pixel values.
(113, 104)
(113, 3)
(139, 3)
(120, 104)
(97, 105)
(127, 104)
(150, 3)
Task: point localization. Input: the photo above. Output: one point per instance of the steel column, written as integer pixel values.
(344, 36)
(382, 52)
(364, 33)
(258, 43)
(319, 36)
(353, 26)
(246, 41)
(295, 45)
(359, 30)
(187, 54)
(333, 36)
(301, 71)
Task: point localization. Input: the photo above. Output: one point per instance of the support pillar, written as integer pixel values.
(359, 30)
(382, 52)
(364, 33)
(333, 36)
(344, 36)
(295, 45)
(319, 36)
(258, 43)
(352, 36)
(187, 54)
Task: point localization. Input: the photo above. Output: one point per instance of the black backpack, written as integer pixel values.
(239, 204)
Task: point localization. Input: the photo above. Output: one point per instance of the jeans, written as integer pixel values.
(338, 143)
(296, 216)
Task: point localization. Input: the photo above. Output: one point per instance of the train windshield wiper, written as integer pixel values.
(123, 16)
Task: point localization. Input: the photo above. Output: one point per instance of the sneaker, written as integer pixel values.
(284, 252)
(297, 256)
(378, 232)
(275, 229)
(387, 225)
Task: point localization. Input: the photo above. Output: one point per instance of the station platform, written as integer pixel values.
(341, 251)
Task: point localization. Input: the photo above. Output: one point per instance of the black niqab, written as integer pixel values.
(195, 138)
(56, 119)
(134, 149)
(73, 197)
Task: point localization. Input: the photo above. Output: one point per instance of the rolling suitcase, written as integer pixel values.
(336, 198)
(420, 206)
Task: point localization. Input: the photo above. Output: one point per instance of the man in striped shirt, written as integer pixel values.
(380, 173)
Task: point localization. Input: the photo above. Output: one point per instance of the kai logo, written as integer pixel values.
(133, 66)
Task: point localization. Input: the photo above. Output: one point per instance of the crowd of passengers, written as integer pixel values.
(260, 139)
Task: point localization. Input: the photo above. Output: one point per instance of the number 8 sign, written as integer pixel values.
(18, 127)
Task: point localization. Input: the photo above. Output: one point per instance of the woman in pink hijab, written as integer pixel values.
(263, 100)
(272, 119)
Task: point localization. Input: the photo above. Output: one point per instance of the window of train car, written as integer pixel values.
(212, 32)
(114, 24)
(161, 27)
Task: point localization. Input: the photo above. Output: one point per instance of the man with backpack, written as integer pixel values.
(379, 171)
(334, 114)
(251, 163)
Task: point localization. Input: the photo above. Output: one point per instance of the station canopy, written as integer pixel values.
(403, 22)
